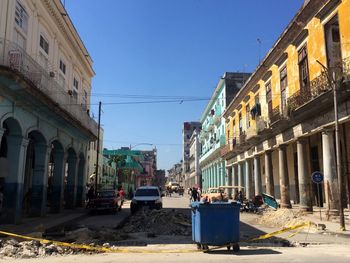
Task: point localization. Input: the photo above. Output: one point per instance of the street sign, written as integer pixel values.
(317, 177)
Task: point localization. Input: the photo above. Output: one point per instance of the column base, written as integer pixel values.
(286, 206)
(306, 209)
(332, 212)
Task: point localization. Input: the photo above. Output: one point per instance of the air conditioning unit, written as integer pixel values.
(52, 74)
(70, 92)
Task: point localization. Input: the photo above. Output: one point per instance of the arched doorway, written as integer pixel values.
(12, 158)
(81, 181)
(56, 177)
(71, 179)
(35, 177)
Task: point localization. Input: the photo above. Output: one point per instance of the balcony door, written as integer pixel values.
(333, 46)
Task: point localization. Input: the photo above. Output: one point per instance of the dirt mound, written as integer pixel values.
(159, 222)
(281, 218)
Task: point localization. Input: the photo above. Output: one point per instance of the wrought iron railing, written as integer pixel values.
(319, 85)
(14, 57)
(276, 114)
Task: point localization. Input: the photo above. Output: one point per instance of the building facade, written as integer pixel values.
(280, 126)
(187, 131)
(212, 135)
(195, 175)
(45, 127)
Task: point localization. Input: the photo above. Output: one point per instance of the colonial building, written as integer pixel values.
(212, 136)
(187, 131)
(280, 126)
(195, 175)
(45, 126)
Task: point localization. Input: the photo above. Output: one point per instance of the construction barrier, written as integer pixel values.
(118, 250)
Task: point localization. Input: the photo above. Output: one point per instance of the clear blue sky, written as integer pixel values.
(169, 48)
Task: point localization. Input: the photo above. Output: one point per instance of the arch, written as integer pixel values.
(56, 176)
(35, 177)
(12, 127)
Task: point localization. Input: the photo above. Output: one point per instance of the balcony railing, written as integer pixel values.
(318, 86)
(14, 57)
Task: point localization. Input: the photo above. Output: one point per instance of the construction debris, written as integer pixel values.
(159, 222)
(31, 249)
(281, 217)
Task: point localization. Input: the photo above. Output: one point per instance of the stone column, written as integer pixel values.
(330, 173)
(58, 181)
(223, 173)
(284, 178)
(13, 188)
(240, 174)
(39, 183)
(257, 175)
(229, 179)
(249, 179)
(235, 178)
(303, 177)
(81, 183)
(72, 181)
(270, 185)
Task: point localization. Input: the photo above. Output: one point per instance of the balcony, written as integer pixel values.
(319, 97)
(45, 85)
(252, 134)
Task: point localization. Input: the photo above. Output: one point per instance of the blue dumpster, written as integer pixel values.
(215, 224)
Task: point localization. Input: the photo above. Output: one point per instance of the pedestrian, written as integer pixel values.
(194, 194)
(130, 193)
(90, 195)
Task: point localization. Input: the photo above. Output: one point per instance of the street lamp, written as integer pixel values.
(334, 85)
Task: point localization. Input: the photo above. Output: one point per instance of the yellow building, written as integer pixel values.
(280, 126)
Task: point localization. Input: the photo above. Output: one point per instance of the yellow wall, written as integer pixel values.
(316, 48)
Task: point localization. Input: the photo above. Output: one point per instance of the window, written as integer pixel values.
(333, 47)
(75, 95)
(303, 69)
(240, 123)
(247, 116)
(44, 44)
(21, 17)
(284, 84)
(75, 83)
(62, 67)
(269, 98)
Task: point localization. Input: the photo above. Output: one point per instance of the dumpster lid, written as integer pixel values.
(270, 201)
(214, 204)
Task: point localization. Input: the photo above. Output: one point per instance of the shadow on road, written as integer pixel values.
(245, 252)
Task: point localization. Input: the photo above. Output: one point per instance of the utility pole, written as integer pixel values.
(334, 83)
(98, 146)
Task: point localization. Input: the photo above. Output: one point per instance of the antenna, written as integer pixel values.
(259, 42)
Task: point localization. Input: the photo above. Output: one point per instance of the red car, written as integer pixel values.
(106, 200)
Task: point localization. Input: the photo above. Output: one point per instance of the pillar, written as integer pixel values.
(303, 177)
(249, 180)
(330, 173)
(71, 182)
(257, 176)
(284, 178)
(240, 174)
(13, 187)
(229, 179)
(81, 184)
(235, 178)
(270, 185)
(58, 181)
(39, 183)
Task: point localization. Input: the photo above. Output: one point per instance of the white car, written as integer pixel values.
(146, 196)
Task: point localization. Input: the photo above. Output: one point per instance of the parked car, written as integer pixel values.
(146, 196)
(106, 200)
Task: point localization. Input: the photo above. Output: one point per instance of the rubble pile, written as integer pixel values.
(31, 249)
(281, 217)
(159, 222)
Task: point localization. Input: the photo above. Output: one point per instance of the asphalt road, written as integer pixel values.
(264, 252)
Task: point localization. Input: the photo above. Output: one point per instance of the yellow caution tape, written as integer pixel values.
(118, 250)
(283, 230)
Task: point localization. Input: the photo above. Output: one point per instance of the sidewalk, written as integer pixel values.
(32, 225)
